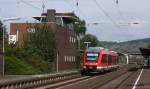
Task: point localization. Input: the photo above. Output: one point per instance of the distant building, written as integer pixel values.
(63, 27)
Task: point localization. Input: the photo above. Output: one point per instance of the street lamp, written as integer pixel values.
(87, 44)
(5, 20)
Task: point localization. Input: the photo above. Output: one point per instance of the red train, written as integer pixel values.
(98, 59)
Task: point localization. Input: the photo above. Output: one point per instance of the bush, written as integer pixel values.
(36, 61)
(35, 55)
(16, 66)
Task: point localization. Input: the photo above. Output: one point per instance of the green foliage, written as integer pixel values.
(37, 52)
(38, 63)
(80, 28)
(42, 42)
(89, 38)
(16, 66)
(128, 46)
(79, 61)
(1, 34)
(148, 46)
(1, 29)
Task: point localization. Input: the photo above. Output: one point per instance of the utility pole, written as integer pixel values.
(57, 63)
(5, 20)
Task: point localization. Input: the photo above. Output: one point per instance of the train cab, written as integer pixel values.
(91, 58)
(98, 59)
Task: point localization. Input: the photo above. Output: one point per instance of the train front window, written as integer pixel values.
(92, 57)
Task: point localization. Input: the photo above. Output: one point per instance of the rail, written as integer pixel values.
(34, 81)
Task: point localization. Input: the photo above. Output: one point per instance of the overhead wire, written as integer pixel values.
(122, 15)
(89, 23)
(119, 10)
(77, 9)
(77, 6)
(106, 14)
(31, 5)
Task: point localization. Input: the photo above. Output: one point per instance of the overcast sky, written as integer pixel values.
(113, 18)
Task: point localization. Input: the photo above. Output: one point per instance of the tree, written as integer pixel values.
(42, 41)
(90, 38)
(80, 28)
(148, 46)
(1, 29)
(36, 54)
(1, 34)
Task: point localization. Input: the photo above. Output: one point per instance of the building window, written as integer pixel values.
(70, 39)
(31, 30)
(69, 58)
(74, 40)
(12, 39)
(74, 58)
(58, 21)
(65, 58)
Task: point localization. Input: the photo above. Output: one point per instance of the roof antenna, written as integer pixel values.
(117, 2)
(77, 3)
(43, 7)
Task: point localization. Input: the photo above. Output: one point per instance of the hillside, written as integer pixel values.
(127, 46)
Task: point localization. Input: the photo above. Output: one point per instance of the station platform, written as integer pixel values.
(143, 80)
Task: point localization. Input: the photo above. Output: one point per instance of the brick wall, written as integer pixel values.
(66, 48)
(65, 42)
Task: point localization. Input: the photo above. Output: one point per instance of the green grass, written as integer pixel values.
(16, 66)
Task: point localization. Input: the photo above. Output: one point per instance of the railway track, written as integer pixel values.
(73, 80)
(63, 83)
(111, 80)
(116, 82)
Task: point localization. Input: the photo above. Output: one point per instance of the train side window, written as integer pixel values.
(109, 59)
(65, 58)
(104, 58)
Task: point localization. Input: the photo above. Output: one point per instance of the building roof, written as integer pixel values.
(70, 16)
(39, 17)
(145, 52)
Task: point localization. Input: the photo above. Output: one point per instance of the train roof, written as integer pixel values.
(98, 49)
(94, 49)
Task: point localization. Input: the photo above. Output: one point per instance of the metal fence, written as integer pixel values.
(35, 81)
